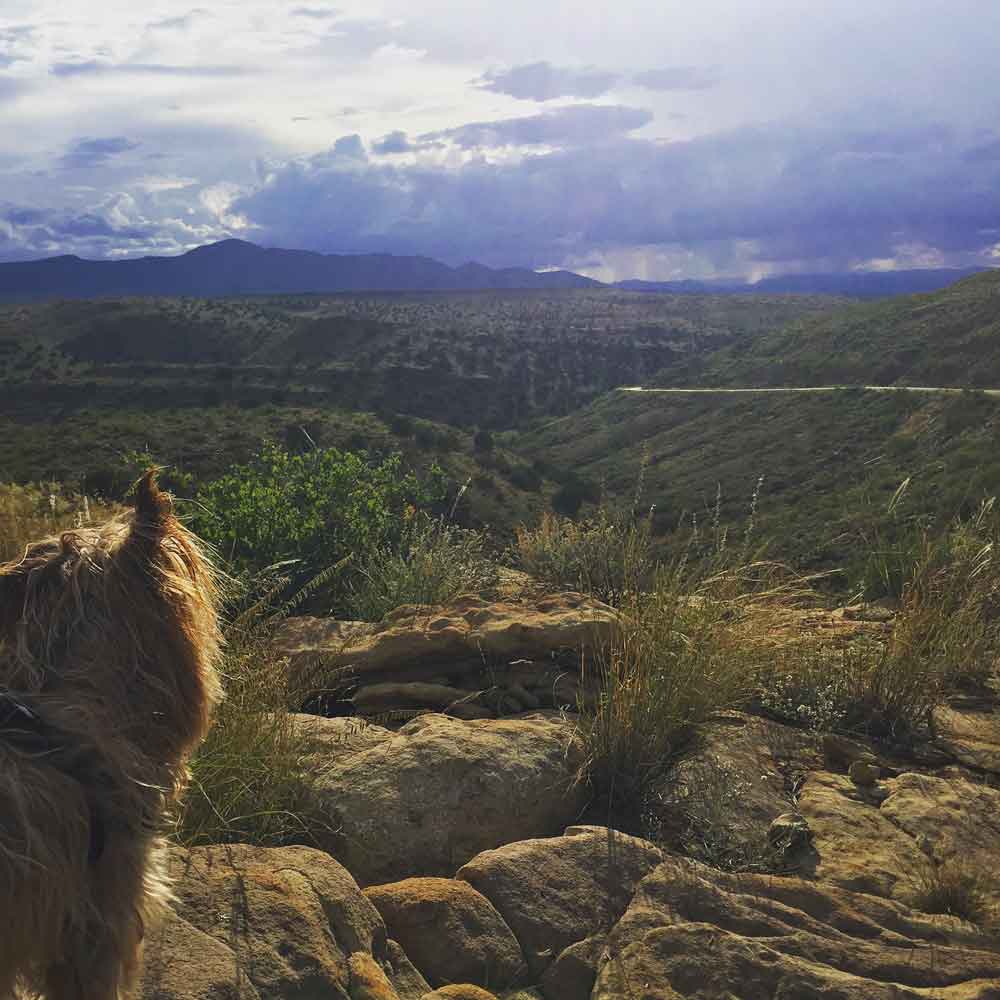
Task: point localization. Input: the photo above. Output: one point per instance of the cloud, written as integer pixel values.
(92, 67)
(88, 153)
(577, 124)
(778, 197)
(677, 78)
(178, 23)
(318, 13)
(541, 81)
(394, 142)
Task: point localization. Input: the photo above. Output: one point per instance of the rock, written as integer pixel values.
(853, 844)
(970, 732)
(463, 991)
(864, 773)
(555, 892)
(429, 797)
(694, 932)
(840, 752)
(368, 981)
(948, 819)
(416, 643)
(789, 832)
(415, 694)
(251, 921)
(868, 613)
(572, 975)
(735, 781)
(449, 931)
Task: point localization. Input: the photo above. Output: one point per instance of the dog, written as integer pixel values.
(109, 646)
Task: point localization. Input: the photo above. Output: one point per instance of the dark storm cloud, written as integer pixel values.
(573, 125)
(541, 81)
(394, 142)
(91, 67)
(795, 193)
(88, 153)
(677, 78)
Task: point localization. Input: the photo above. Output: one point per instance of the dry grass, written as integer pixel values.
(250, 782)
(28, 513)
(681, 655)
(954, 887)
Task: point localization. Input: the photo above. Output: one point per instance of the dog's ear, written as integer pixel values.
(153, 516)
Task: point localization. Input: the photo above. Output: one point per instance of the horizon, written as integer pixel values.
(735, 142)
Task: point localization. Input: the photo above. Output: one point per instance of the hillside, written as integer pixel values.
(948, 338)
(235, 267)
(830, 461)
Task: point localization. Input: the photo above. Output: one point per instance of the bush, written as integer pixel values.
(609, 555)
(432, 563)
(316, 507)
(683, 653)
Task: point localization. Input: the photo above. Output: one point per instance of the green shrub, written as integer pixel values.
(432, 562)
(315, 507)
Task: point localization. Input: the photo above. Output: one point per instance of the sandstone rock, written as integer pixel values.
(694, 932)
(468, 629)
(450, 932)
(555, 892)
(368, 980)
(853, 844)
(789, 832)
(572, 975)
(950, 819)
(840, 752)
(864, 773)
(429, 797)
(734, 782)
(461, 991)
(250, 921)
(970, 731)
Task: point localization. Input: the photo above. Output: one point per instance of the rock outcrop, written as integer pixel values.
(472, 658)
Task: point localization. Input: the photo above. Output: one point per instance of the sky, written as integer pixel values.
(641, 139)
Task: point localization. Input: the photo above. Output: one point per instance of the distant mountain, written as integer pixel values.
(235, 267)
(852, 284)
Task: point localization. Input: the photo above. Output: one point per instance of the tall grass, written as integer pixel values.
(250, 778)
(682, 653)
(432, 562)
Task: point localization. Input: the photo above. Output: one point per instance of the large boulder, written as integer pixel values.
(691, 931)
(557, 891)
(425, 799)
(969, 729)
(450, 932)
(281, 922)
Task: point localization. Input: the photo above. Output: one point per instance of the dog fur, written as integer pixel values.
(109, 642)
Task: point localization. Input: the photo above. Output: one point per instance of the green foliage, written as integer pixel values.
(431, 563)
(316, 507)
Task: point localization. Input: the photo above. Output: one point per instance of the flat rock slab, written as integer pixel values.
(854, 845)
(692, 932)
(427, 798)
(415, 639)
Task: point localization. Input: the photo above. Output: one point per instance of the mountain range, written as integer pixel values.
(235, 267)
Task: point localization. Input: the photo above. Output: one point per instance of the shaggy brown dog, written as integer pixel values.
(108, 646)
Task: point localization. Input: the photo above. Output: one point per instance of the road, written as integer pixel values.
(818, 388)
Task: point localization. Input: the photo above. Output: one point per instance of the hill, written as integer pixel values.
(235, 267)
(830, 461)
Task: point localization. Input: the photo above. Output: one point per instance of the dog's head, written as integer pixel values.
(119, 616)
